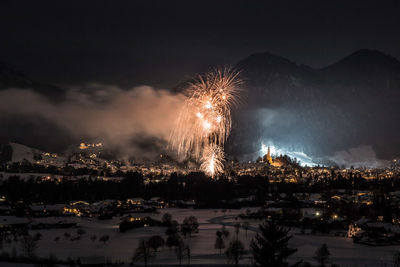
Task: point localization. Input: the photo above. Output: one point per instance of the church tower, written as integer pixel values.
(269, 158)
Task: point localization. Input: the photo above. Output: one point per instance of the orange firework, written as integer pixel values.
(205, 119)
(212, 160)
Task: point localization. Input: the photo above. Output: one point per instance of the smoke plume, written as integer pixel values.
(137, 121)
(362, 156)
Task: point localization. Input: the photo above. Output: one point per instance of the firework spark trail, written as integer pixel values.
(205, 120)
(212, 160)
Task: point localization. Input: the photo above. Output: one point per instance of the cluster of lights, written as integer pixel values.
(86, 146)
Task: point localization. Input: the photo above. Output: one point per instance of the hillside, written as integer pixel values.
(352, 103)
(317, 113)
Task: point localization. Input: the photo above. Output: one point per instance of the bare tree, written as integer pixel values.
(172, 234)
(225, 232)
(180, 250)
(322, 255)
(156, 242)
(189, 226)
(166, 219)
(188, 253)
(29, 245)
(235, 251)
(219, 242)
(143, 252)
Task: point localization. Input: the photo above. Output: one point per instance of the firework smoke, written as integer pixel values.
(204, 123)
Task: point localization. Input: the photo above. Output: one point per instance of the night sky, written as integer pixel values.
(160, 43)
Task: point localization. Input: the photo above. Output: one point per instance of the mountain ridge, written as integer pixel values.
(287, 105)
(10, 78)
(320, 111)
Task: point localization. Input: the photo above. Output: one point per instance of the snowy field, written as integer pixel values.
(121, 246)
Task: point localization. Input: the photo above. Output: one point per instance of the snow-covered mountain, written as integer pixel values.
(353, 103)
(22, 153)
(13, 152)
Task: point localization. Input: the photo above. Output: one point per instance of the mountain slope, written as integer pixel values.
(9, 78)
(348, 104)
(352, 103)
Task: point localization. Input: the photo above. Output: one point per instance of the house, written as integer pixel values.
(135, 201)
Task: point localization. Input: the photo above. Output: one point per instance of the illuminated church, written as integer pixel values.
(273, 162)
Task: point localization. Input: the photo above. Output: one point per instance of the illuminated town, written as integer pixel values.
(358, 204)
(200, 133)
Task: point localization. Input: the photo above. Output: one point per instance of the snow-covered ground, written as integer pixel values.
(121, 246)
(21, 153)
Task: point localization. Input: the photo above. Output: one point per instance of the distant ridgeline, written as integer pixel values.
(10, 78)
(353, 102)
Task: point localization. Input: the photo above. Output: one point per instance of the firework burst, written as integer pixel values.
(205, 120)
(212, 160)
